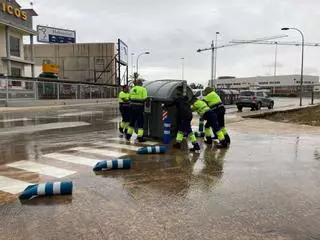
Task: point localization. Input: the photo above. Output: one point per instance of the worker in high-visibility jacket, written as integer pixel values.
(138, 96)
(184, 118)
(124, 102)
(212, 122)
(214, 102)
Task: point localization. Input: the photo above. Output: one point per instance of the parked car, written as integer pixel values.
(254, 99)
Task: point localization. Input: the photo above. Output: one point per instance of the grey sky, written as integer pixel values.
(171, 29)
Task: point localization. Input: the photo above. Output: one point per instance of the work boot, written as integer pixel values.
(196, 147)
(141, 139)
(227, 138)
(177, 145)
(222, 144)
(208, 140)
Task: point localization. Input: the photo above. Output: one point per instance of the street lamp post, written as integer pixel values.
(137, 66)
(215, 60)
(302, 59)
(182, 68)
(212, 63)
(275, 68)
(132, 67)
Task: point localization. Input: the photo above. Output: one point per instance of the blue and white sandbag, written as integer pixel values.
(113, 164)
(152, 150)
(47, 189)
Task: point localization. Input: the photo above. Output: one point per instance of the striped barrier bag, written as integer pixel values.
(47, 189)
(113, 164)
(152, 150)
(166, 127)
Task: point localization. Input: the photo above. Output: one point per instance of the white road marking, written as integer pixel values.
(41, 169)
(73, 159)
(122, 140)
(42, 127)
(12, 186)
(102, 152)
(122, 146)
(80, 114)
(15, 120)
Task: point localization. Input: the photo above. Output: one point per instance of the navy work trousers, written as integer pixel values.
(137, 118)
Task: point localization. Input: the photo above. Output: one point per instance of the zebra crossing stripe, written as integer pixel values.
(13, 186)
(73, 159)
(102, 152)
(122, 146)
(41, 169)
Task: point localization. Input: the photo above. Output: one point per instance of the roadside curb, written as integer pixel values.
(273, 112)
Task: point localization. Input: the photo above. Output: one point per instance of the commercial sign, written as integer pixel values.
(11, 14)
(55, 35)
(12, 10)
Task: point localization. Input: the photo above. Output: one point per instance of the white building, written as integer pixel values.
(278, 84)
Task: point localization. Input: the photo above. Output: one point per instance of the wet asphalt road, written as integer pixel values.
(265, 186)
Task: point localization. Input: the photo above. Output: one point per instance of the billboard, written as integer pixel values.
(55, 35)
(123, 52)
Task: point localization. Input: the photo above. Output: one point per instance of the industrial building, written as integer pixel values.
(15, 23)
(281, 84)
(84, 62)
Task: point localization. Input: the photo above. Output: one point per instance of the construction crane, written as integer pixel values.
(215, 46)
(276, 43)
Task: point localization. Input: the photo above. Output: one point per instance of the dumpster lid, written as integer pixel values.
(164, 89)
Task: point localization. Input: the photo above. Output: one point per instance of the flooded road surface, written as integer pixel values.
(265, 186)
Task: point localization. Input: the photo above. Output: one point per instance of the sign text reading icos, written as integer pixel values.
(17, 12)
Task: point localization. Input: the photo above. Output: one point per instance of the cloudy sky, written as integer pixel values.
(172, 29)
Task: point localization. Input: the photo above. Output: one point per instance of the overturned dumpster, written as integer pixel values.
(159, 92)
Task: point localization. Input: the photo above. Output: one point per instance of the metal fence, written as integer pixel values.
(40, 89)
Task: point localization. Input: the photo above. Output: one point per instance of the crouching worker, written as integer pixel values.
(212, 122)
(124, 98)
(184, 118)
(214, 102)
(138, 95)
